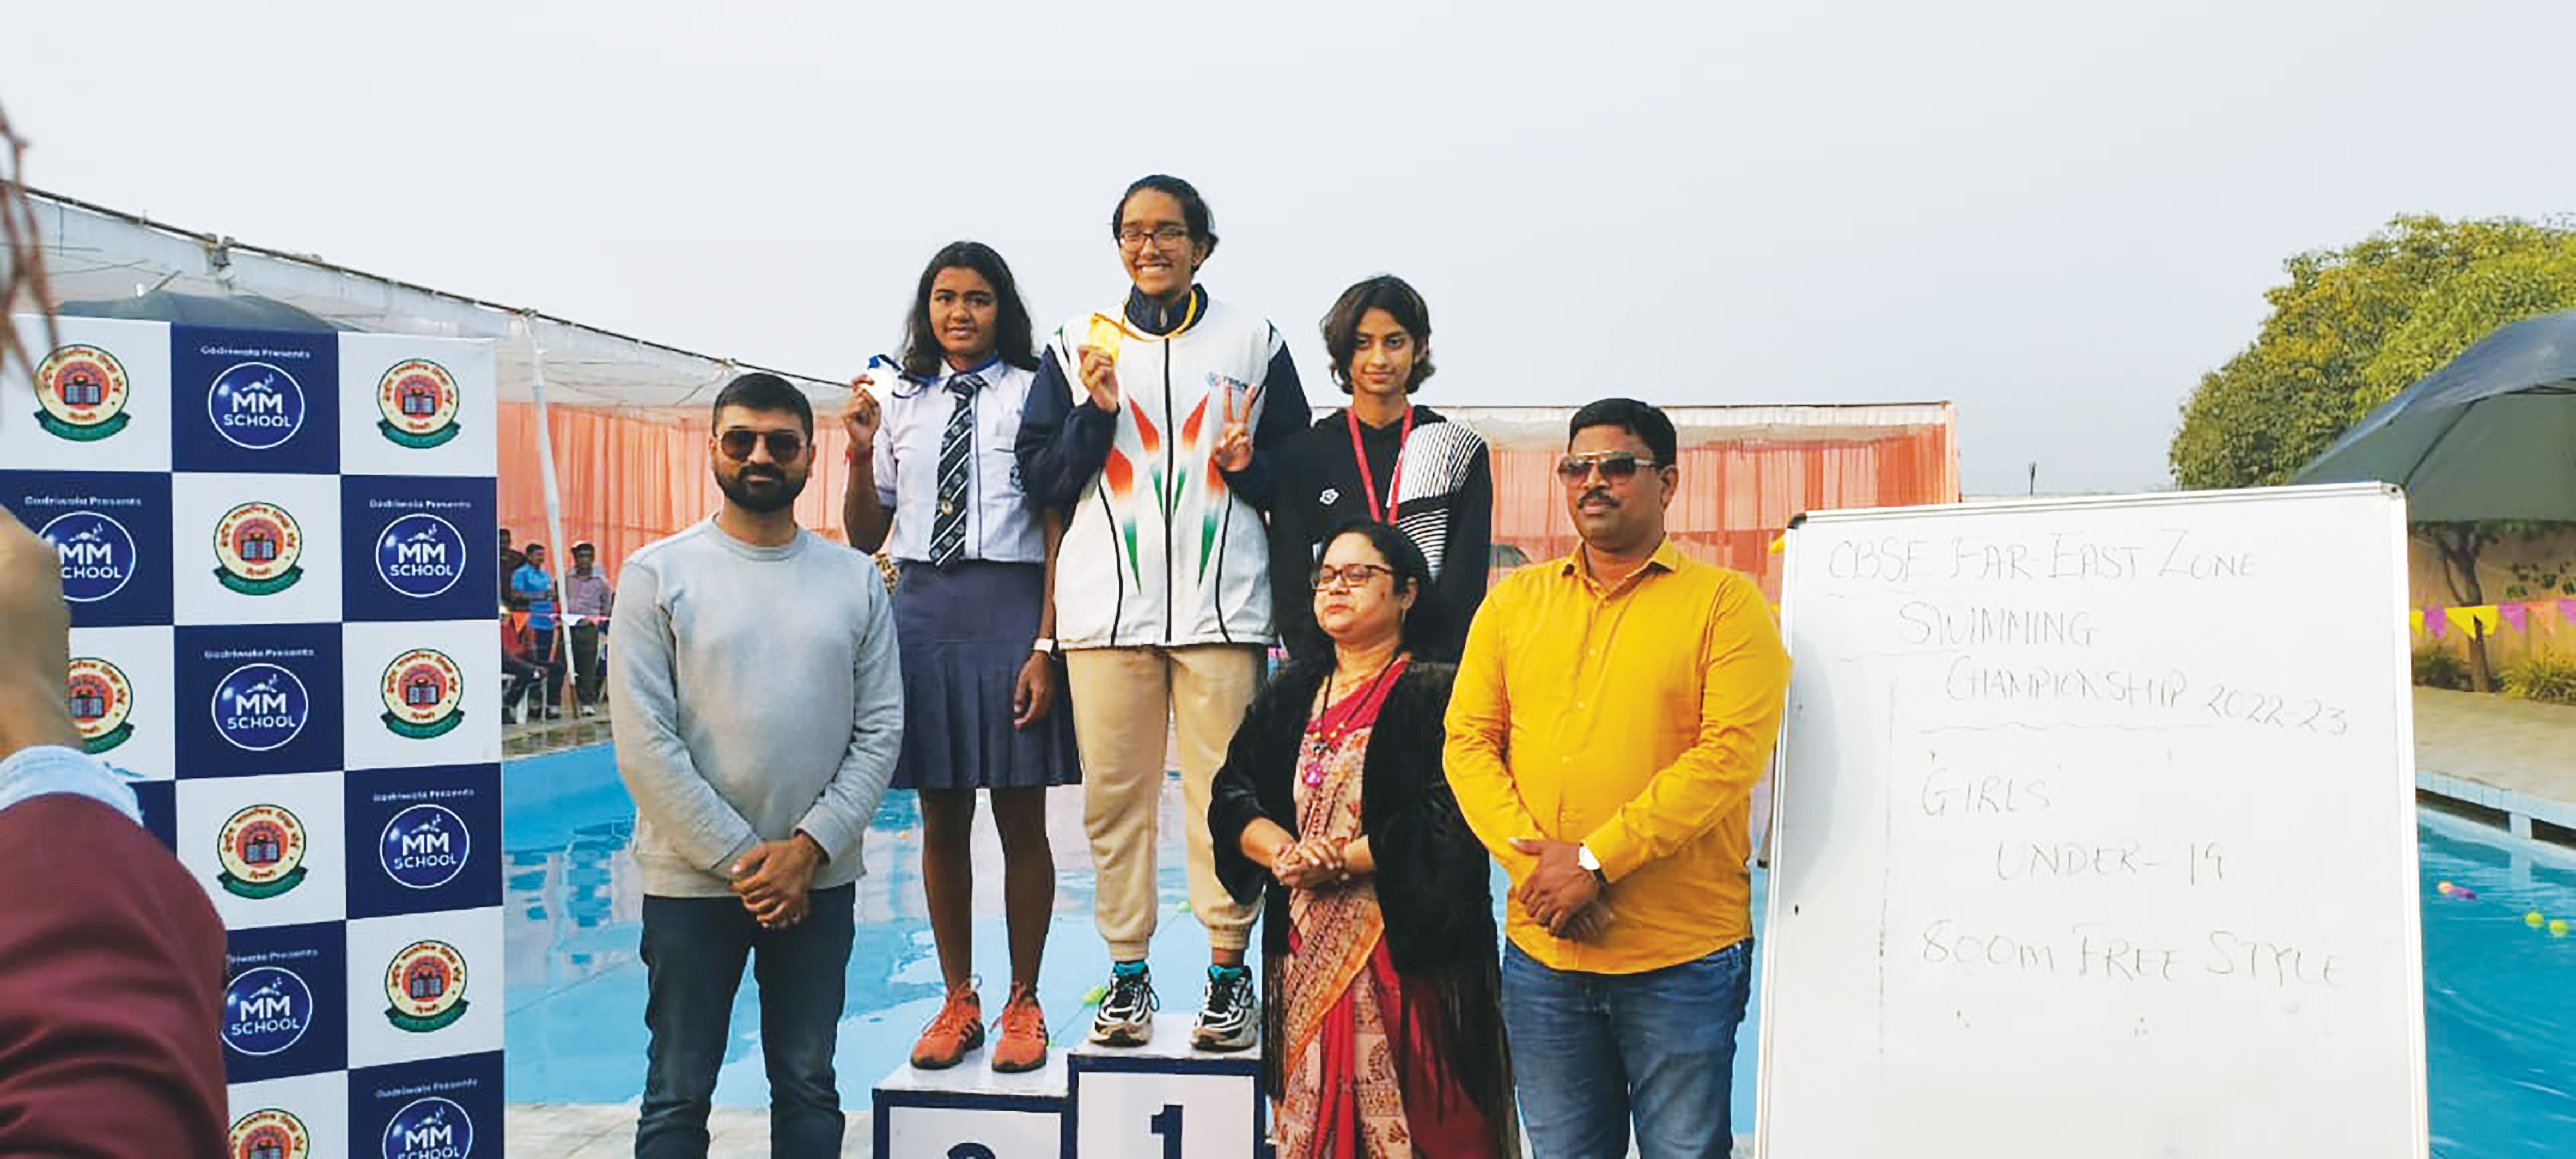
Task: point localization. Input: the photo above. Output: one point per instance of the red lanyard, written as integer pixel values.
(1368, 478)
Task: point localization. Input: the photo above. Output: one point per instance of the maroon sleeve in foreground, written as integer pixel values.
(111, 989)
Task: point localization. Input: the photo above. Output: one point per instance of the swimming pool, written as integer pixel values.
(2500, 995)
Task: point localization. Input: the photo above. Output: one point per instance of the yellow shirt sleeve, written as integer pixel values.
(1744, 671)
(1479, 725)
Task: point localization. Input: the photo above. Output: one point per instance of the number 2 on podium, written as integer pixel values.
(1167, 1124)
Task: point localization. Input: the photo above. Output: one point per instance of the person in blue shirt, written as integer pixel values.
(533, 587)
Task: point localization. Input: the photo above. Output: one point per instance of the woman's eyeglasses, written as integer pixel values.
(1163, 236)
(784, 446)
(1347, 575)
(1615, 467)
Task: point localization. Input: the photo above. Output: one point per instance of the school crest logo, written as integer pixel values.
(100, 699)
(422, 689)
(425, 846)
(269, 1134)
(420, 555)
(259, 707)
(266, 1010)
(426, 982)
(98, 555)
(256, 406)
(430, 1128)
(256, 546)
(262, 848)
(82, 390)
(418, 401)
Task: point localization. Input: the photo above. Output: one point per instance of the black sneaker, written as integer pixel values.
(1226, 1023)
(1126, 1015)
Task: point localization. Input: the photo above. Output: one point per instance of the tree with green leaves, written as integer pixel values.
(2352, 328)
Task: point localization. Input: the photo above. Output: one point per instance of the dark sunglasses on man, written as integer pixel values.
(1615, 467)
(784, 446)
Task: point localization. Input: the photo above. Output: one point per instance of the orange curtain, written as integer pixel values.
(630, 479)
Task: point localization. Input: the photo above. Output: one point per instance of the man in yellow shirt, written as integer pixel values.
(1611, 715)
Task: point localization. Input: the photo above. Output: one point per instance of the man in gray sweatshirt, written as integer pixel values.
(758, 708)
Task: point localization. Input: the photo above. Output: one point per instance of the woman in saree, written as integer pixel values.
(1381, 1037)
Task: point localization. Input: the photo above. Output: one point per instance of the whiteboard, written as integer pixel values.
(2094, 833)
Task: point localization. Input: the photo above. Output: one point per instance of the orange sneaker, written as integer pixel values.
(958, 1028)
(1021, 1033)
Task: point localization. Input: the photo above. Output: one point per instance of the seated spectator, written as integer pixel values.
(537, 684)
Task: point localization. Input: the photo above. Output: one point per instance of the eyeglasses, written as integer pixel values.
(1348, 575)
(784, 446)
(1615, 467)
(1163, 236)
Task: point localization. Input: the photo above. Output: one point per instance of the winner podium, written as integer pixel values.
(1162, 1100)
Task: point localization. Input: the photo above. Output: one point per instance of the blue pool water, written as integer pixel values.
(2499, 1008)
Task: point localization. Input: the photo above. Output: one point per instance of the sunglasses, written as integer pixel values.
(1615, 466)
(784, 446)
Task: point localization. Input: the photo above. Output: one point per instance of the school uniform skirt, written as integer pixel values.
(964, 631)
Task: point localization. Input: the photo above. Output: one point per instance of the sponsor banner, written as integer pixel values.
(409, 553)
(304, 1117)
(271, 851)
(444, 1108)
(112, 529)
(159, 802)
(416, 406)
(424, 984)
(436, 839)
(256, 549)
(259, 401)
(420, 693)
(120, 689)
(285, 1001)
(259, 699)
(102, 395)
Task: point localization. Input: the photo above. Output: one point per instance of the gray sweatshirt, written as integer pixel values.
(756, 692)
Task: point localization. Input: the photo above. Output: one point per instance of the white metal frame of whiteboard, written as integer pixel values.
(2401, 714)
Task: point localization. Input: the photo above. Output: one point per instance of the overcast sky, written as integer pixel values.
(2055, 215)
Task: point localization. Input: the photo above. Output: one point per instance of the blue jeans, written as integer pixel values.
(1590, 1050)
(694, 949)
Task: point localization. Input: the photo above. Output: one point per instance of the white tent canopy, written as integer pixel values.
(95, 253)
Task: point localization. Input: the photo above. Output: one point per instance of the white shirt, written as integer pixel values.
(1001, 526)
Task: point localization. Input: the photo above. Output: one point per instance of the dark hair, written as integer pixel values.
(1194, 208)
(586, 545)
(761, 390)
(1426, 622)
(921, 350)
(1384, 292)
(1640, 419)
(532, 548)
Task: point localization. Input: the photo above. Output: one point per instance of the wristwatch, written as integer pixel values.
(1592, 865)
(1042, 644)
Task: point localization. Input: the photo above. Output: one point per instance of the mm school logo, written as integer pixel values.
(255, 406)
(98, 555)
(425, 846)
(426, 982)
(430, 1128)
(259, 707)
(100, 699)
(262, 848)
(420, 555)
(418, 401)
(256, 546)
(82, 389)
(422, 690)
(269, 1134)
(266, 1010)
